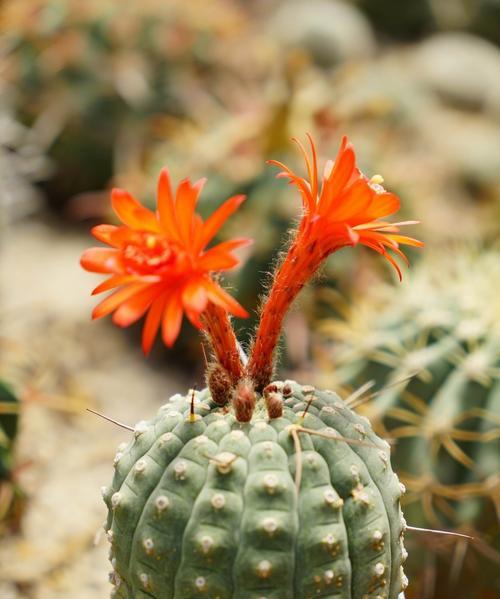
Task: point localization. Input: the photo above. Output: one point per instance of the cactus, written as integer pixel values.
(249, 488)
(435, 347)
(434, 353)
(204, 505)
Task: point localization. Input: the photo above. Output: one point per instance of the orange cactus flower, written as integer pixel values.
(344, 210)
(159, 261)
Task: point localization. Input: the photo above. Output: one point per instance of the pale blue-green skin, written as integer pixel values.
(210, 508)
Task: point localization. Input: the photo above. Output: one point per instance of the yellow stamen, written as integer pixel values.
(150, 241)
(377, 179)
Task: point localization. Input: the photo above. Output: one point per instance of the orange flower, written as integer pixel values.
(342, 211)
(346, 209)
(159, 261)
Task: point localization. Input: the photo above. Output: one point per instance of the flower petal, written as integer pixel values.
(194, 296)
(114, 281)
(341, 173)
(104, 233)
(133, 213)
(115, 299)
(102, 260)
(185, 204)
(308, 200)
(166, 207)
(380, 249)
(215, 221)
(172, 320)
(152, 323)
(219, 257)
(353, 204)
(406, 240)
(221, 298)
(383, 205)
(131, 310)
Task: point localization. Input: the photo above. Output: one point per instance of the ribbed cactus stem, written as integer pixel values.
(298, 505)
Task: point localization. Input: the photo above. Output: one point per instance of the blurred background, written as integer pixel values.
(101, 93)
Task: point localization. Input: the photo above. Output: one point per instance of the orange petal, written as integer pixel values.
(197, 229)
(381, 250)
(104, 233)
(152, 323)
(103, 260)
(215, 221)
(194, 297)
(340, 176)
(133, 213)
(194, 319)
(352, 205)
(185, 204)
(221, 298)
(115, 299)
(219, 257)
(406, 240)
(172, 320)
(112, 235)
(166, 208)
(308, 200)
(131, 310)
(114, 281)
(383, 205)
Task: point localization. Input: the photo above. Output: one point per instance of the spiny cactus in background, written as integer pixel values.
(249, 488)
(433, 350)
(10, 494)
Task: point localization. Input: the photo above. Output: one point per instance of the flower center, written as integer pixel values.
(148, 253)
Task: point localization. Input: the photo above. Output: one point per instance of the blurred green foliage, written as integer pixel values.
(10, 492)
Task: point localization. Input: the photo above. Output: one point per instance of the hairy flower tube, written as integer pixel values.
(344, 210)
(160, 267)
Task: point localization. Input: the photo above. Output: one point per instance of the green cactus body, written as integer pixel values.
(205, 506)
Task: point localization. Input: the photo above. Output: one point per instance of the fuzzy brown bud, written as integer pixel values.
(244, 400)
(219, 383)
(274, 401)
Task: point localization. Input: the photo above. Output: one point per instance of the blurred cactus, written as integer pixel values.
(423, 16)
(94, 75)
(433, 352)
(10, 493)
(22, 164)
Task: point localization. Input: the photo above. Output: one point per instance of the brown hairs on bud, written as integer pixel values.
(244, 400)
(274, 401)
(219, 383)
